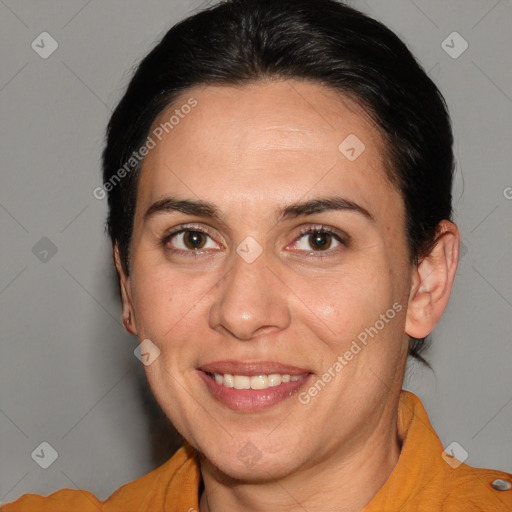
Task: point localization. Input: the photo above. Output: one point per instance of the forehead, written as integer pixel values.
(263, 140)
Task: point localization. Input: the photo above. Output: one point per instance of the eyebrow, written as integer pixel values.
(301, 208)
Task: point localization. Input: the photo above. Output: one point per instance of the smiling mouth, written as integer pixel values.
(252, 387)
(256, 382)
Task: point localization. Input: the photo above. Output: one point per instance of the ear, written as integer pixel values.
(432, 282)
(126, 296)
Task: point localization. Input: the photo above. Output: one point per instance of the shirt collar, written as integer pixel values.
(417, 465)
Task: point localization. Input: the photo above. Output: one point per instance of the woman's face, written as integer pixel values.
(255, 292)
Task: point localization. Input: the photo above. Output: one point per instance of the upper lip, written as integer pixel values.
(251, 368)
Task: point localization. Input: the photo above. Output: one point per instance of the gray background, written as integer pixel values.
(68, 373)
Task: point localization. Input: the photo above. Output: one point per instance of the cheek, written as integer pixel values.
(161, 300)
(346, 301)
(171, 307)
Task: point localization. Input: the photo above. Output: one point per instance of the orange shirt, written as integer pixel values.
(421, 481)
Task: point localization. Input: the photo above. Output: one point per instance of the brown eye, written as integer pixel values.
(320, 241)
(194, 239)
(189, 241)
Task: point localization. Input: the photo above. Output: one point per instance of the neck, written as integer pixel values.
(345, 480)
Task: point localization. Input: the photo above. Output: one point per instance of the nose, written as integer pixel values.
(251, 301)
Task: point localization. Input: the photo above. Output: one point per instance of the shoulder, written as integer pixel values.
(428, 477)
(480, 489)
(60, 501)
(149, 492)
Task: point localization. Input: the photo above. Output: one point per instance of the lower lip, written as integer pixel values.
(252, 400)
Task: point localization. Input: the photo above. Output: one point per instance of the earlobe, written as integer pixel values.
(432, 281)
(125, 291)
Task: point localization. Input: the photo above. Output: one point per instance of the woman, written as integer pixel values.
(279, 181)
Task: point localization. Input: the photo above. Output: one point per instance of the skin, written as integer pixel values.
(250, 151)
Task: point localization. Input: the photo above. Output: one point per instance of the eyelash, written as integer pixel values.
(308, 230)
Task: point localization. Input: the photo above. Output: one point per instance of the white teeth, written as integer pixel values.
(259, 382)
(227, 380)
(254, 382)
(274, 379)
(242, 382)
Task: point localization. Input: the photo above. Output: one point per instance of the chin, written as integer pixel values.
(249, 464)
